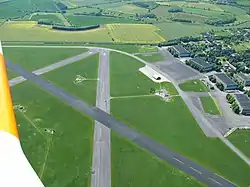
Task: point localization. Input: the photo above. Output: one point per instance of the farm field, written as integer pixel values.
(83, 10)
(209, 106)
(35, 58)
(128, 161)
(29, 31)
(241, 47)
(54, 156)
(95, 20)
(134, 33)
(155, 57)
(129, 9)
(211, 153)
(81, 79)
(241, 139)
(50, 17)
(194, 86)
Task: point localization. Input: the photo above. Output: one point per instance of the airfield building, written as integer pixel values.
(244, 103)
(203, 65)
(179, 51)
(228, 83)
(243, 79)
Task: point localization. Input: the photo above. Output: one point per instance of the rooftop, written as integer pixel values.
(180, 49)
(225, 79)
(201, 62)
(243, 100)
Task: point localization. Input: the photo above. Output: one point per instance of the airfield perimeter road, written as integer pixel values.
(52, 67)
(101, 163)
(199, 172)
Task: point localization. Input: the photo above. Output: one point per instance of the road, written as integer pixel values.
(101, 163)
(184, 164)
(52, 67)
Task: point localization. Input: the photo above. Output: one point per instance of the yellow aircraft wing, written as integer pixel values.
(15, 169)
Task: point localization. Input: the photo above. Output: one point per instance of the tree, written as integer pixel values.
(220, 86)
(152, 90)
(241, 87)
(236, 109)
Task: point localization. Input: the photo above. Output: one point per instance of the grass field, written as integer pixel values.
(241, 47)
(83, 10)
(180, 133)
(130, 9)
(122, 68)
(134, 33)
(194, 86)
(151, 58)
(65, 77)
(49, 17)
(147, 49)
(35, 58)
(169, 87)
(209, 105)
(29, 31)
(96, 20)
(128, 161)
(68, 150)
(11, 74)
(241, 139)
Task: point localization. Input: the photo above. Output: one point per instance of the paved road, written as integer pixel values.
(52, 67)
(101, 163)
(186, 165)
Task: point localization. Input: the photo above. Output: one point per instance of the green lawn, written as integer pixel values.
(194, 86)
(66, 76)
(147, 49)
(60, 159)
(241, 139)
(95, 20)
(169, 87)
(35, 58)
(123, 70)
(128, 162)
(151, 58)
(209, 106)
(11, 74)
(172, 124)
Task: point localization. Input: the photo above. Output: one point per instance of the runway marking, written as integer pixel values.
(214, 181)
(197, 171)
(178, 160)
(223, 178)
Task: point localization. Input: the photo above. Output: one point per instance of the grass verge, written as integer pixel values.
(209, 105)
(194, 86)
(151, 57)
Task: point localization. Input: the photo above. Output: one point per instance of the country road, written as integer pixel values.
(199, 172)
(101, 161)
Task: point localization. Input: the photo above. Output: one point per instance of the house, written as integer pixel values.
(228, 83)
(203, 65)
(244, 103)
(179, 51)
(243, 79)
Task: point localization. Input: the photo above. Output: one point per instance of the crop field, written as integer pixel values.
(95, 20)
(50, 17)
(128, 161)
(29, 31)
(134, 33)
(155, 57)
(209, 106)
(53, 155)
(241, 139)
(130, 9)
(83, 10)
(168, 128)
(35, 58)
(81, 79)
(243, 46)
(243, 2)
(194, 86)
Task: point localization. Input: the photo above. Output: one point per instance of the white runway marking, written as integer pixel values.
(197, 171)
(178, 160)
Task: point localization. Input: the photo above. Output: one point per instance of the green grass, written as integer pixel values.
(83, 10)
(29, 31)
(128, 161)
(241, 139)
(50, 17)
(64, 77)
(209, 105)
(129, 9)
(241, 47)
(169, 87)
(122, 68)
(172, 124)
(35, 58)
(95, 20)
(69, 150)
(151, 58)
(11, 74)
(134, 33)
(147, 49)
(194, 86)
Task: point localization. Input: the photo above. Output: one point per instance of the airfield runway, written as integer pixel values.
(199, 172)
(101, 163)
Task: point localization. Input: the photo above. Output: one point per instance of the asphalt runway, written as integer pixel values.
(52, 67)
(199, 172)
(101, 163)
